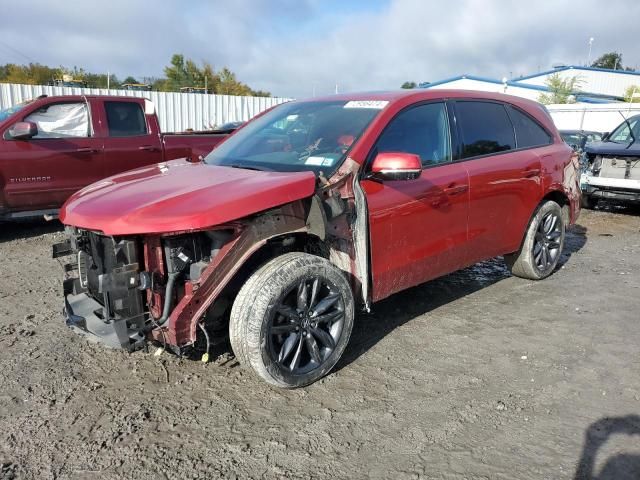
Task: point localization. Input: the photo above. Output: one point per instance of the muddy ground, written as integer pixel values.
(475, 375)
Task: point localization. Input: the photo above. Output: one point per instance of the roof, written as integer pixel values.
(418, 94)
(584, 96)
(577, 67)
(408, 96)
(511, 83)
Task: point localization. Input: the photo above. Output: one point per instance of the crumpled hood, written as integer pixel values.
(613, 148)
(179, 196)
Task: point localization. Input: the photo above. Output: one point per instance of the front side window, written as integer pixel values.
(125, 119)
(421, 130)
(294, 137)
(622, 134)
(528, 132)
(61, 120)
(485, 128)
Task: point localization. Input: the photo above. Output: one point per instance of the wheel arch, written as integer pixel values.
(557, 196)
(561, 199)
(288, 228)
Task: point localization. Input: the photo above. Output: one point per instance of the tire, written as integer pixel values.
(291, 321)
(542, 246)
(588, 202)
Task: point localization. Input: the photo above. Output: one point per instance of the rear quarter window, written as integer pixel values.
(485, 128)
(529, 133)
(125, 119)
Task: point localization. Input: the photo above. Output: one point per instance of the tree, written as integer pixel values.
(181, 72)
(32, 74)
(186, 73)
(632, 94)
(409, 85)
(99, 80)
(176, 73)
(611, 60)
(561, 90)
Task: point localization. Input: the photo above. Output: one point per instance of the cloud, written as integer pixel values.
(293, 47)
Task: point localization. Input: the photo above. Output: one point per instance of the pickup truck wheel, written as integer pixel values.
(588, 202)
(292, 319)
(542, 246)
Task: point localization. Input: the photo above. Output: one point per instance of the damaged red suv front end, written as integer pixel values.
(161, 252)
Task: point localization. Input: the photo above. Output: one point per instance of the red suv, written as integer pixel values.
(310, 211)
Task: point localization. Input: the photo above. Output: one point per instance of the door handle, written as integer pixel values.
(531, 172)
(148, 148)
(87, 150)
(456, 189)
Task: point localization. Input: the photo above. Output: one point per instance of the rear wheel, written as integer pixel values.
(588, 202)
(542, 246)
(292, 320)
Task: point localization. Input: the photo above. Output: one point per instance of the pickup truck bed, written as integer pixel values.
(77, 141)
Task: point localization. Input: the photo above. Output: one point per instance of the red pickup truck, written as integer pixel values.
(51, 147)
(309, 211)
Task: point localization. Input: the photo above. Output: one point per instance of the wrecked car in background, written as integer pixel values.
(611, 168)
(578, 139)
(313, 210)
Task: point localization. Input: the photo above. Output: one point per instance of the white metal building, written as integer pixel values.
(596, 80)
(597, 85)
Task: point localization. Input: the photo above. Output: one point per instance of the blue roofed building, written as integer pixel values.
(597, 85)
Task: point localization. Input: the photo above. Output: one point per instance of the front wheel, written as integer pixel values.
(540, 251)
(292, 319)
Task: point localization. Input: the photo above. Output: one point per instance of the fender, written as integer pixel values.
(247, 238)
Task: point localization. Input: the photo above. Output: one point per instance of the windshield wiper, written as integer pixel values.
(244, 167)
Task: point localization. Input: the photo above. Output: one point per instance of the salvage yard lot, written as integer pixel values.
(474, 375)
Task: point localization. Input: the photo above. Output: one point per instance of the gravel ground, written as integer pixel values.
(475, 375)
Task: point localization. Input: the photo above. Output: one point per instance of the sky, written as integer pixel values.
(298, 48)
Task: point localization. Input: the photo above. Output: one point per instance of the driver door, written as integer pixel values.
(418, 228)
(43, 171)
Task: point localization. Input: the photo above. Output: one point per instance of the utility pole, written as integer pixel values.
(591, 39)
(205, 85)
(108, 79)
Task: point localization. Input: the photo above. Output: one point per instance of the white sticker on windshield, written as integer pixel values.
(376, 104)
(319, 161)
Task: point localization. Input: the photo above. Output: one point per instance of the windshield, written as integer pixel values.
(295, 137)
(7, 112)
(622, 133)
(572, 138)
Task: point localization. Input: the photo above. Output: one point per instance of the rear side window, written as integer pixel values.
(421, 130)
(485, 128)
(528, 132)
(125, 119)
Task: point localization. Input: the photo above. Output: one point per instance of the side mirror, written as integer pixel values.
(396, 166)
(604, 137)
(23, 130)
